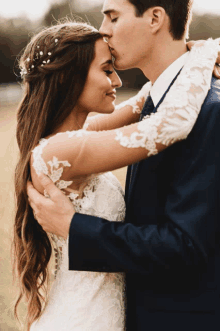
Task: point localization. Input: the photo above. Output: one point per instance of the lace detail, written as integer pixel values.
(177, 114)
(39, 164)
(81, 300)
(137, 102)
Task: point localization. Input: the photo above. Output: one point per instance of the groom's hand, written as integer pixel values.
(54, 214)
(216, 71)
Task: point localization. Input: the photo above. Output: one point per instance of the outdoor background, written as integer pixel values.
(19, 20)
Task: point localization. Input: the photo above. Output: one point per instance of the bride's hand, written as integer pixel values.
(216, 70)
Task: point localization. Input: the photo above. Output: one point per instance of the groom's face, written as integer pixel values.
(129, 36)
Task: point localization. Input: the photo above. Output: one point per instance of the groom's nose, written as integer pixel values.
(105, 29)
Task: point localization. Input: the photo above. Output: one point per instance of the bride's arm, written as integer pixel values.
(125, 113)
(94, 152)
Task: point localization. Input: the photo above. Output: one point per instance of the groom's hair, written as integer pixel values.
(178, 11)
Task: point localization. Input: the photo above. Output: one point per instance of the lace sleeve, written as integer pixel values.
(95, 152)
(53, 168)
(177, 115)
(137, 102)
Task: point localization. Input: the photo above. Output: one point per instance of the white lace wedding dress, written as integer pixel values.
(95, 301)
(80, 300)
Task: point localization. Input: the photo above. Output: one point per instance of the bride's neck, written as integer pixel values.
(73, 122)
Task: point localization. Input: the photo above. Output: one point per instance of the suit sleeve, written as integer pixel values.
(99, 245)
(184, 237)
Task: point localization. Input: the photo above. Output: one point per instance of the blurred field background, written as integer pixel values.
(15, 31)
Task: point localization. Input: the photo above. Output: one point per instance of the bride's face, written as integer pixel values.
(99, 93)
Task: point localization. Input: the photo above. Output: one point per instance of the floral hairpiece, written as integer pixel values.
(24, 71)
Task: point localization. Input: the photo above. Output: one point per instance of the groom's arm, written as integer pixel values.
(99, 245)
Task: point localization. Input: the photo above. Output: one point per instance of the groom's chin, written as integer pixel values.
(119, 65)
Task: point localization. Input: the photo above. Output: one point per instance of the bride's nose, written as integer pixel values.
(116, 81)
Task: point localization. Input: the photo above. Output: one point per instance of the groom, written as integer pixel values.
(169, 244)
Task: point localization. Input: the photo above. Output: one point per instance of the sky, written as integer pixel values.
(35, 9)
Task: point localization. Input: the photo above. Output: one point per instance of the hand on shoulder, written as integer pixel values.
(54, 214)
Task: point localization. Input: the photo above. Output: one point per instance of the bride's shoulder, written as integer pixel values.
(51, 158)
(37, 164)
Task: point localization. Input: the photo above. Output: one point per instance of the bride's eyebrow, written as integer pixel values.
(107, 62)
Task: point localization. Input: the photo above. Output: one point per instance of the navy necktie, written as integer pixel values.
(148, 108)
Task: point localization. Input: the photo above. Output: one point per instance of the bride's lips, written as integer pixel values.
(111, 95)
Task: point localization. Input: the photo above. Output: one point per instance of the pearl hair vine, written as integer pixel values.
(30, 66)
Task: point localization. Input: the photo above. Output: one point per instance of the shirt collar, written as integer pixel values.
(164, 80)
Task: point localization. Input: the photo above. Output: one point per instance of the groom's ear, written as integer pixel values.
(156, 18)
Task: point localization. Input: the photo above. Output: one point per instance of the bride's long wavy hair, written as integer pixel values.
(54, 68)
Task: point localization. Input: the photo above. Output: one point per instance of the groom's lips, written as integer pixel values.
(111, 49)
(113, 54)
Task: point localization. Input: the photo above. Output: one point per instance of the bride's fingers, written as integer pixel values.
(190, 44)
(217, 71)
(198, 43)
(218, 58)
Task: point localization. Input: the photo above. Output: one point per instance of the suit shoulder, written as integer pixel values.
(214, 93)
(215, 84)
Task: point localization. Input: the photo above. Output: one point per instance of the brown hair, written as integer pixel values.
(179, 12)
(54, 65)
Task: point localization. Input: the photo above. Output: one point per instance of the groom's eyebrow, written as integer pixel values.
(109, 11)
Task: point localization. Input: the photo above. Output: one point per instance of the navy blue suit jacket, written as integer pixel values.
(169, 244)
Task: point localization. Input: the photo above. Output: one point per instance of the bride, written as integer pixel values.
(68, 72)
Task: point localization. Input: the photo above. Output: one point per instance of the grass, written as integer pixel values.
(8, 160)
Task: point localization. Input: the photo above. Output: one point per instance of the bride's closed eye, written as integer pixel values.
(108, 72)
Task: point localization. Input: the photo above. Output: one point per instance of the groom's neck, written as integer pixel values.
(162, 56)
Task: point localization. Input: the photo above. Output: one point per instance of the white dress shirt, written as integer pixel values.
(164, 80)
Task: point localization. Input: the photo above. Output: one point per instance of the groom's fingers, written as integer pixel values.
(50, 187)
(33, 195)
(35, 199)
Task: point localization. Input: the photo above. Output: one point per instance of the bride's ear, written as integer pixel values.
(156, 18)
